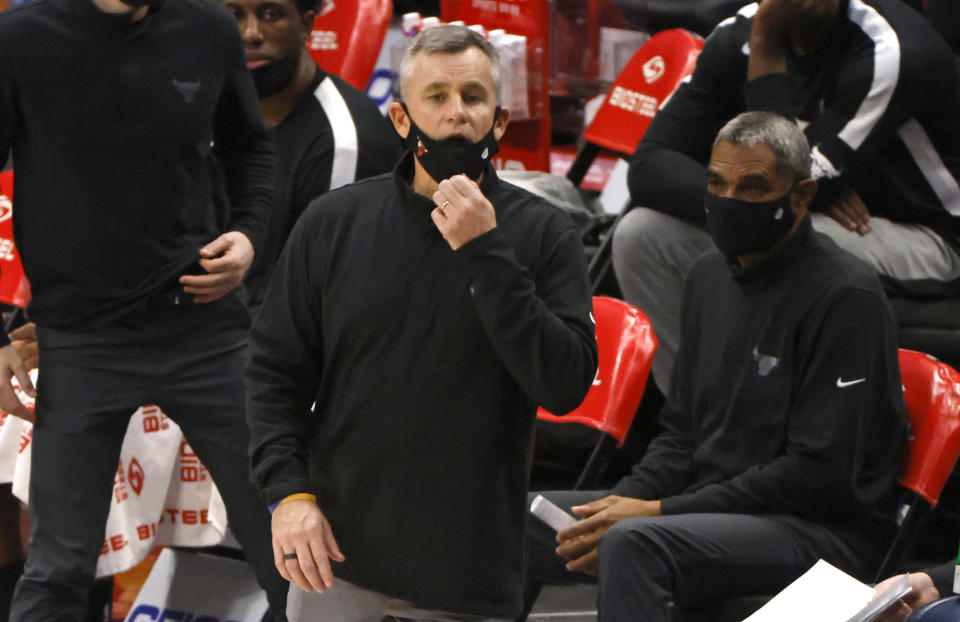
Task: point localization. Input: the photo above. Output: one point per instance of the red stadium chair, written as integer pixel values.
(932, 394)
(347, 37)
(652, 75)
(645, 84)
(626, 343)
(14, 288)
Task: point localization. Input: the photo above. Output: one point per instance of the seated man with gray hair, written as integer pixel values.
(784, 424)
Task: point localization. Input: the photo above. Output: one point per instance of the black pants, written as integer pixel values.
(653, 568)
(187, 359)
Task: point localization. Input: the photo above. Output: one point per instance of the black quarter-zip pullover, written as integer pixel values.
(786, 395)
(426, 366)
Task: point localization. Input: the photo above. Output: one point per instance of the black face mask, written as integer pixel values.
(272, 77)
(443, 159)
(742, 227)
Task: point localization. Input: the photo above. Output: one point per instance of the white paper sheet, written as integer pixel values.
(827, 594)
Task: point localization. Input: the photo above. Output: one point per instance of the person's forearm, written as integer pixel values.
(668, 181)
(283, 374)
(251, 178)
(281, 382)
(767, 42)
(246, 149)
(767, 55)
(542, 331)
(277, 456)
(664, 470)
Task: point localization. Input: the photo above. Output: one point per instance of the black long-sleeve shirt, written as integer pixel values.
(335, 135)
(786, 395)
(426, 367)
(943, 577)
(136, 143)
(879, 101)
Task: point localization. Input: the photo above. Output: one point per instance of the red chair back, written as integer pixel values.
(932, 394)
(626, 343)
(14, 288)
(347, 37)
(648, 80)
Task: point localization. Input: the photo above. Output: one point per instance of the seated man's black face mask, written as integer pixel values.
(742, 227)
(443, 159)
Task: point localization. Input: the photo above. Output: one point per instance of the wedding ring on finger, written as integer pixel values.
(443, 206)
(287, 556)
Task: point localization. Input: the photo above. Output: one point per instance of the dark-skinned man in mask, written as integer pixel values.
(144, 176)
(328, 134)
(413, 324)
(783, 427)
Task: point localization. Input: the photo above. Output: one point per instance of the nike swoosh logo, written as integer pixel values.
(841, 383)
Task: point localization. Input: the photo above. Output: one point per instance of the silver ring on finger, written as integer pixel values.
(287, 556)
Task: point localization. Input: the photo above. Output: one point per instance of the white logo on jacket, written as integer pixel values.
(765, 362)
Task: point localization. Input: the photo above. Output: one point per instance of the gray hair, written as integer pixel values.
(449, 39)
(784, 137)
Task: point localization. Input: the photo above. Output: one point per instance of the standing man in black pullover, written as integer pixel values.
(784, 424)
(144, 174)
(412, 326)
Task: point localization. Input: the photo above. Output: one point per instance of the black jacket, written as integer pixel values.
(786, 395)
(943, 578)
(424, 367)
